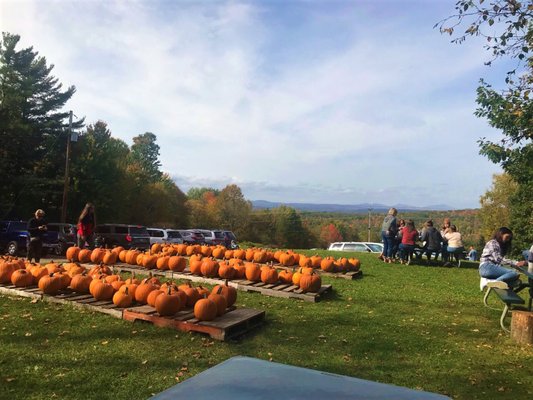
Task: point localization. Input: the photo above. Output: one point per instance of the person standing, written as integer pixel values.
(492, 261)
(37, 228)
(388, 232)
(86, 226)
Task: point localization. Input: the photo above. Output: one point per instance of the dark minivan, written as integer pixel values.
(127, 236)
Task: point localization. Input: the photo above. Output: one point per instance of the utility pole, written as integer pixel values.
(66, 183)
(369, 210)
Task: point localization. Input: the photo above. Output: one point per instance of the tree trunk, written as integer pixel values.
(522, 327)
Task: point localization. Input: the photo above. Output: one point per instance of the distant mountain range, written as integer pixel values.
(346, 208)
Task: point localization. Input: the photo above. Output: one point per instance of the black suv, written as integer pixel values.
(127, 236)
(66, 235)
(14, 238)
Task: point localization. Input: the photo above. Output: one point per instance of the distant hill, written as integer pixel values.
(346, 208)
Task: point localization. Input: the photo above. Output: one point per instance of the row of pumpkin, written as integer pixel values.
(168, 298)
(235, 268)
(171, 256)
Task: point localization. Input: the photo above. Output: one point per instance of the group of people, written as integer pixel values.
(401, 236)
(38, 226)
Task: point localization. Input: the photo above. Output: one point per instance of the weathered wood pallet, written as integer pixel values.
(276, 290)
(235, 322)
(66, 296)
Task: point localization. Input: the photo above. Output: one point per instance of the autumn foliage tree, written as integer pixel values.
(329, 234)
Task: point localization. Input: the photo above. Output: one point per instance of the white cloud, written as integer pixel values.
(232, 89)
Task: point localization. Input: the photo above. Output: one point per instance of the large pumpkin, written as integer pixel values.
(253, 272)
(50, 284)
(177, 263)
(269, 275)
(219, 300)
(22, 278)
(167, 304)
(209, 268)
(72, 253)
(310, 283)
(122, 299)
(205, 310)
(84, 256)
(229, 292)
(80, 283)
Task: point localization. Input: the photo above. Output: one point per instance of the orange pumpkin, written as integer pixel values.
(253, 272)
(205, 310)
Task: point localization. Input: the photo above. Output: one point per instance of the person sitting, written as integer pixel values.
(455, 246)
(492, 261)
(409, 236)
(472, 254)
(432, 239)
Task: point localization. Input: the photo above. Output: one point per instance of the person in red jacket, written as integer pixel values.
(407, 246)
(86, 226)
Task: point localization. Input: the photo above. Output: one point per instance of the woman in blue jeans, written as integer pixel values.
(388, 232)
(493, 258)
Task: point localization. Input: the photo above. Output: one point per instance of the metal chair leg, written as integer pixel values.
(502, 318)
(487, 296)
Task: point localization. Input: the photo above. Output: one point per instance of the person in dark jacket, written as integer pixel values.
(86, 226)
(37, 228)
(432, 240)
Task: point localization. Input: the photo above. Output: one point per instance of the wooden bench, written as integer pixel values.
(509, 297)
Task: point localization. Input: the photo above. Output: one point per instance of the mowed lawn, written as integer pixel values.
(416, 326)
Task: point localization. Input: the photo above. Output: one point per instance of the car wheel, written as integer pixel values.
(12, 248)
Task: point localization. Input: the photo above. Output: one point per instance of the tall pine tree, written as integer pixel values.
(32, 130)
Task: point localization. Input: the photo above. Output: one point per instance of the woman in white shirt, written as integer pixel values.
(455, 242)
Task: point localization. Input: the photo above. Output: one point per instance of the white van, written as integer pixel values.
(368, 247)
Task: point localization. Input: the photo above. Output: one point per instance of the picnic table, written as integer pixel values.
(250, 378)
(529, 276)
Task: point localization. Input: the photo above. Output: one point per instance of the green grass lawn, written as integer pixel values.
(421, 327)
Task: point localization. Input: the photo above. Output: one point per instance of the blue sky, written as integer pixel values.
(299, 101)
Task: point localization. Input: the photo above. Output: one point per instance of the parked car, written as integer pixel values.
(191, 236)
(159, 235)
(230, 240)
(369, 247)
(213, 237)
(66, 234)
(127, 236)
(14, 238)
(174, 236)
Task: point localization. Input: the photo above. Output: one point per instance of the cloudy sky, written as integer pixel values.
(317, 101)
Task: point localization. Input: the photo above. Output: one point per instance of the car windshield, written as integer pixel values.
(374, 247)
(173, 234)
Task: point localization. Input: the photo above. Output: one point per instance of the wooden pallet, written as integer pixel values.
(234, 322)
(276, 290)
(66, 296)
